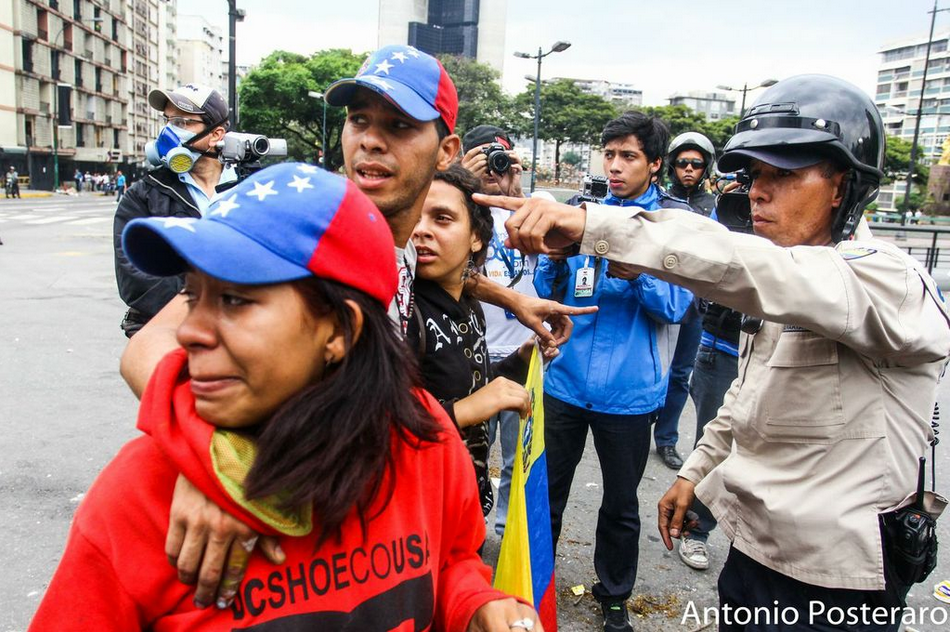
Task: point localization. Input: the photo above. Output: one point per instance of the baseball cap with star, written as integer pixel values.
(283, 223)
(413, 81)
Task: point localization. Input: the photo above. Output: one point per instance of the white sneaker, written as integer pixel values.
(694, 554)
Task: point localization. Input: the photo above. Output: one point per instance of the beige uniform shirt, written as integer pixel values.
(823, 427)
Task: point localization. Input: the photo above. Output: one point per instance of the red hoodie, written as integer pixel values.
(417, 568)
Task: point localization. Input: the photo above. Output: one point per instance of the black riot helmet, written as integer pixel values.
(803, 120)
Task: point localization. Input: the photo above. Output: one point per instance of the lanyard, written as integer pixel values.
(508, 258)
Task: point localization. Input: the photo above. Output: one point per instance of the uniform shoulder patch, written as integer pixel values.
(849, 253)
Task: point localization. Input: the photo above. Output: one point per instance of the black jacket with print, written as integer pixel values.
(449, 338)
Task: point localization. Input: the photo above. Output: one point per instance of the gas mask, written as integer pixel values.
(171, 149)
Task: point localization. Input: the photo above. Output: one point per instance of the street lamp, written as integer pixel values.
(323, 137)
(745, 89)
(558, 47)
(56, 125)
(235, 15)
(920, 106)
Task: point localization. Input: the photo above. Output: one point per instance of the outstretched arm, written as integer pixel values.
(151, 344)
(532, 312)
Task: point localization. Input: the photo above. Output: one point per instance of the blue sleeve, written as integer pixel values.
(713, 215)
(664, 301)
(548, 276)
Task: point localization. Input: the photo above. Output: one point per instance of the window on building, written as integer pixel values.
(28, 55)
(77, 9)
(54, 64)
(68, 36)
(115, 139)
(80, 135)
(42, 24)
(115, 30)
(77, 69)
(98, 79)
(28, 128)
(939, 46)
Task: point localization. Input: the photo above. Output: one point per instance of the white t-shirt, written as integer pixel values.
(503, 265)
(401, 307)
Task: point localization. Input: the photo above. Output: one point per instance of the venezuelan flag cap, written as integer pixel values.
(413, 81)
(283, 223)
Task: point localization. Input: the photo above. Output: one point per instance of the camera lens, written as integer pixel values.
(499, 162)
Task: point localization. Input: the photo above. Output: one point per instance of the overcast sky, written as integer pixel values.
(660, 47)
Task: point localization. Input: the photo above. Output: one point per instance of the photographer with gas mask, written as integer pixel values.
(182, 186)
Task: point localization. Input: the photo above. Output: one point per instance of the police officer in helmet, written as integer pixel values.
(689, 163)
(818, 439)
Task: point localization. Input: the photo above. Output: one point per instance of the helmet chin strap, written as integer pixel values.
(860, 191)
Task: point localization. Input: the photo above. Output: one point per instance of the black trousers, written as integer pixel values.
(745, 584)
(623, 446)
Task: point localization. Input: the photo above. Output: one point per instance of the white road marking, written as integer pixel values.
(89, 220)
(50, 220)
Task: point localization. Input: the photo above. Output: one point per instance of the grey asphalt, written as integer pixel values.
(64, 412)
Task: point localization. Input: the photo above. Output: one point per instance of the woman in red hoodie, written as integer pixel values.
(291, 405)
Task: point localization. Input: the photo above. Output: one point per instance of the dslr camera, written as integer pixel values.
(593, 189)
(498, 159)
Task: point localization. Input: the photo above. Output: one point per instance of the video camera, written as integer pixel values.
(498, 159)
(593, 189)
(237, 148)
(733, 209)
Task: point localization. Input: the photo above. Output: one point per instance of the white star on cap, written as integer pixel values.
(412, 51)
(225, 206)
(300, 184)
(262, 190)
(180, 222)
(385, 66)
(308, 168)
(401, 56)
(379, 82)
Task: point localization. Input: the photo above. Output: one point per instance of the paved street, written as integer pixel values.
(64, 411)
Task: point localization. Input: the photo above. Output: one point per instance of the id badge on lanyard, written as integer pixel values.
(584, 280)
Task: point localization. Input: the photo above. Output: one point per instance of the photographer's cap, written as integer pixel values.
(193, 99)
(283, 223)
(413, 81)
(484, 134)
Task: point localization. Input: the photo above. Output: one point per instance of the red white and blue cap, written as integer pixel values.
(283, 223)
(413, 81)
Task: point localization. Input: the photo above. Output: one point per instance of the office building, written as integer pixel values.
(712, 105)
(470, 28)
(897, 95)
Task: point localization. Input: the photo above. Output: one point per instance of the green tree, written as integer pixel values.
(274, 101)
(572, 158)
(679, 118)
(897, 163)
(481, 100)
(567, 115)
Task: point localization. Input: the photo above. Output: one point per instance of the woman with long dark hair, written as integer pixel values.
(448, 327)
(291, 404)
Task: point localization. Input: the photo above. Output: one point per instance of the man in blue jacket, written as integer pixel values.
(611, 375)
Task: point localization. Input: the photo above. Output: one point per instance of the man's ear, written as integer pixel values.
(336, 347)
(449, 150)
(840, 180)
(655, 166)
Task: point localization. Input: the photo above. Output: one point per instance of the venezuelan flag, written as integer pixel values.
(526, 562)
